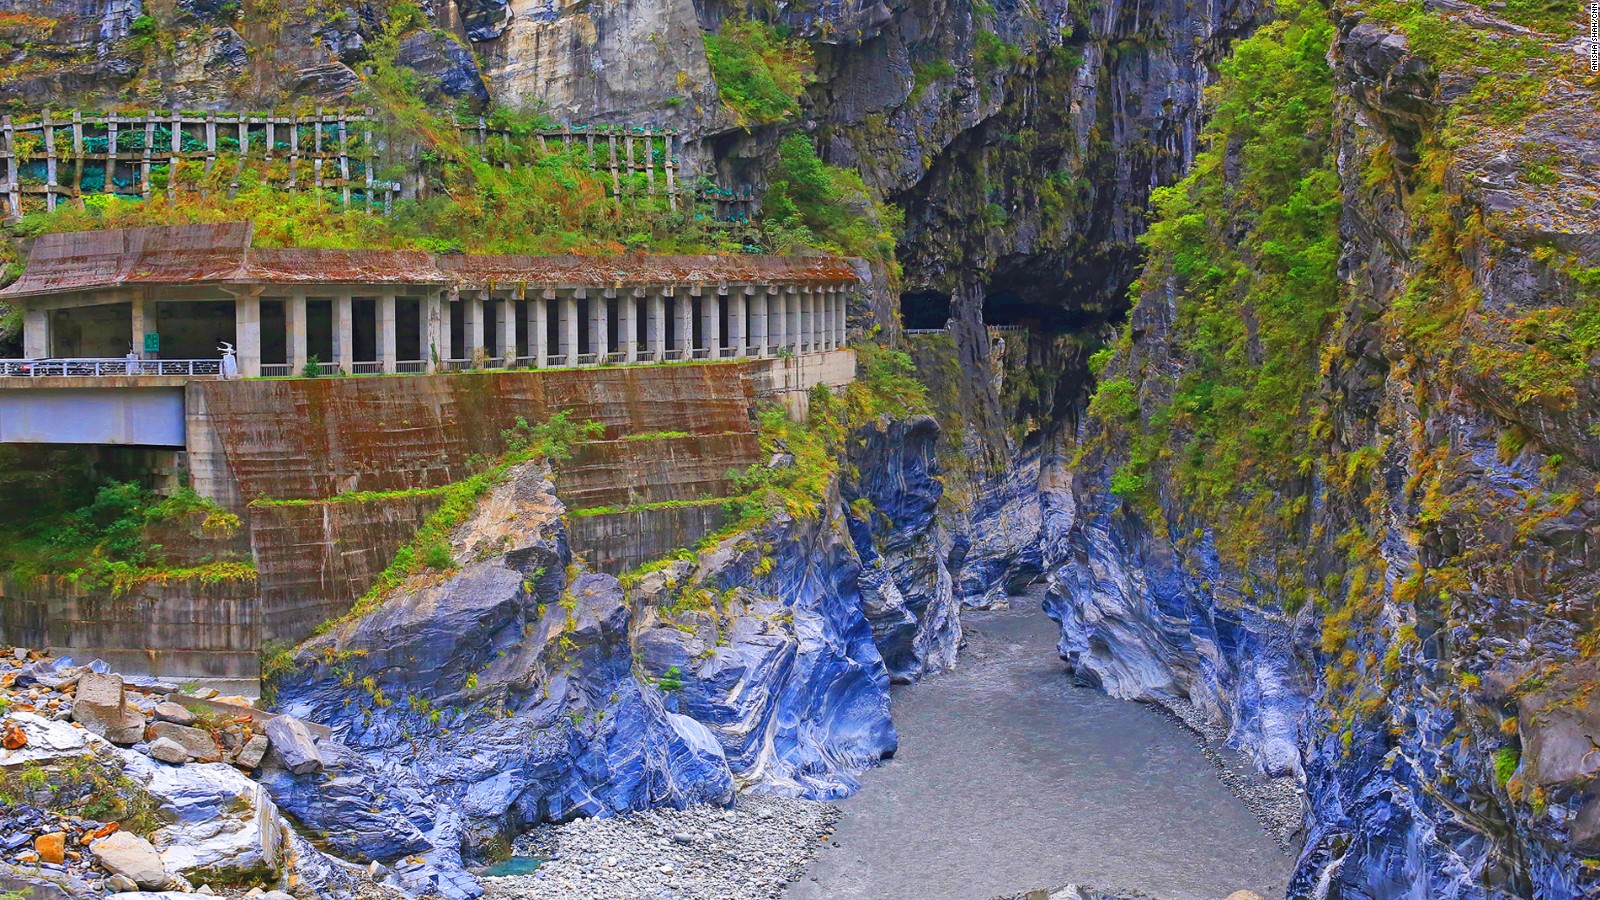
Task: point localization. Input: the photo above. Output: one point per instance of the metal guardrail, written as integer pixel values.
(200, 368)
(40, 368)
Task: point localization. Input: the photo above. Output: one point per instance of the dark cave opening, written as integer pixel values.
(923, 310)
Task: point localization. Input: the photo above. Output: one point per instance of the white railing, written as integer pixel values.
(200, 368)
(41, 368)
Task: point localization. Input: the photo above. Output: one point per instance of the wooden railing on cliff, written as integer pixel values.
(50, 160)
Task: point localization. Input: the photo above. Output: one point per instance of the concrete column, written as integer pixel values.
(472, 320)
(569, 330)
(827, 319)
(777, 330)
(736, 314)
(294, 322)
(388, 352)
(791, 319)
(537, 324)
(247, 331)
(36, 333)
(711, 323)
(841, 318)
(447, 304)
(811, 326)
(758, 322)
(655, 326)
(600, 326)
(136, 326)
(685, 325)
(505, 331)
(344, 334)
(428, 324)
(628, 321)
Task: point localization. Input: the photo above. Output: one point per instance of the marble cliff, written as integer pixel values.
(1335, 489)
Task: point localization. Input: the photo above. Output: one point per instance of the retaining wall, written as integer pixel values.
(313, 439)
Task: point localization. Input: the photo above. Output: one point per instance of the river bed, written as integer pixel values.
(1009, 777)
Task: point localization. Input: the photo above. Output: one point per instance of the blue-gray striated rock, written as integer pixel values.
(475, 703)
(892, 509)
(764, 640)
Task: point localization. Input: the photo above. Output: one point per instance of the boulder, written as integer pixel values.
(222, 826)
(42, 884)
(128, 854)
(51, 847)
(168, 711)
(253, 752)
(101, 705)
(293, 745)
(197, 743)
(49, 741)
(169, 751)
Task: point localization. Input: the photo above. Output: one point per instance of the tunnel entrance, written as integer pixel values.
(920, 310)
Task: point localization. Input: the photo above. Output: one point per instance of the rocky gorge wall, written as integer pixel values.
(1332, 489)
(520, 687)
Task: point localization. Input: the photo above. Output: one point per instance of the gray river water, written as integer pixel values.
(1010, 778)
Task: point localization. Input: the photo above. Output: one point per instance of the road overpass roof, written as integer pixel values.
(221, 254)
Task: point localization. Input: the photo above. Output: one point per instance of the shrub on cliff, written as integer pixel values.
(759, 71)
(1247, 244)
(811, 203)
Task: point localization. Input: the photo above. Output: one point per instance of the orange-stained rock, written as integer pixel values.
(15, 738)
(52, 848)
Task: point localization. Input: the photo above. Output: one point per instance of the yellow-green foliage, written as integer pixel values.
(1251, 260)
(105, 543)
(810, 203)
(760, 71)
(509, 197)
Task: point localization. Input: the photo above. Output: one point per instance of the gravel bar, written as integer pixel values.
(752, 850)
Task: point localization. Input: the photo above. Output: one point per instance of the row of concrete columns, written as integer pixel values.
(760, 320)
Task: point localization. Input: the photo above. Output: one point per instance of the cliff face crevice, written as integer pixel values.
(1377, 573)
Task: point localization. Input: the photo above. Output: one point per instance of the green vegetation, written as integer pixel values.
(429, 549)
(759, 70)
(811, 203)
(508, 197)
(992, 53)
(640, 507)
(1252, 259)
(924, 74)
(100, 536)
(91, 787)
(1506, 760)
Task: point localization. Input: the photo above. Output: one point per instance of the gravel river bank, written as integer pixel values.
(1009, 778)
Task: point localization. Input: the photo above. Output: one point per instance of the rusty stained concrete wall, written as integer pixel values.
(311, 439)
(630, 472)
(616, 542)
(177, 630)
(315, 560)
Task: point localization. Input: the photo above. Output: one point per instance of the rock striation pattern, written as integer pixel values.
(1404, 622)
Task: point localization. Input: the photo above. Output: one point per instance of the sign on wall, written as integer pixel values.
(152, 342)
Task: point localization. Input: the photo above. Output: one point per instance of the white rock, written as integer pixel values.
(125, 853)
(226, 825)
(169, 751)
(49, 741)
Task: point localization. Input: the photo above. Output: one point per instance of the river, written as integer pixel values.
(1010, 778)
